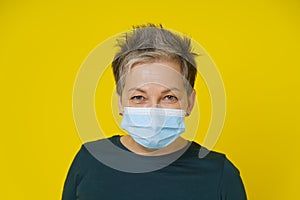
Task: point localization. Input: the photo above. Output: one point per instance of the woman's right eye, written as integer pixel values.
(138, 99)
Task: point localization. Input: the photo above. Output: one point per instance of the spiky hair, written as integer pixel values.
(154, 42)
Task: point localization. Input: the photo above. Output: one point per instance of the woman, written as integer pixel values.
(155, 72)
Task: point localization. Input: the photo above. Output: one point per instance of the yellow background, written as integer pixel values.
(255, 45)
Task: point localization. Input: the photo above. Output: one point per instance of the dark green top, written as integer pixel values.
(186, 177)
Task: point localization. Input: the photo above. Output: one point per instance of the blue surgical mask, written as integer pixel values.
(153, 128)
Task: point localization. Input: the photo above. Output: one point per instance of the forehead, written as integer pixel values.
(167, 74)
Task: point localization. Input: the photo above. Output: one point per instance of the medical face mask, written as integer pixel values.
(153, 128)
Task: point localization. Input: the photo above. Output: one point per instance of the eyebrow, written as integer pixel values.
(170, 90)
(164, 91)
(135, 88)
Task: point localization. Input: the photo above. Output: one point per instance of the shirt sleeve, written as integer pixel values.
(72, 179)
(232, 187)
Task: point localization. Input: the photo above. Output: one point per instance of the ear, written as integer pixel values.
(191, 102)
(120, 105)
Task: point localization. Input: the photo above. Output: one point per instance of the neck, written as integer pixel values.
(135, 147)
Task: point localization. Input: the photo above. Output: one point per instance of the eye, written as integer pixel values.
(137, 99)
(170, 99)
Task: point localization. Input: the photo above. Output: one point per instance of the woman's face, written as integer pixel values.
(159, 84)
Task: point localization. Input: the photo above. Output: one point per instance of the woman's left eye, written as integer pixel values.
(170, 98)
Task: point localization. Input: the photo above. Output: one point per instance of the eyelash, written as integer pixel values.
(171, 96)
(138, 98)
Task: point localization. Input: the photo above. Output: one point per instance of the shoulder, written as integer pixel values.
(112, 140)
(213, 159)
(232, 186)
(89, 150)
(230, 182)
(202, 159)
(202, 153)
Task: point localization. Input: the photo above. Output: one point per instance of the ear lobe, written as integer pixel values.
(191, 102)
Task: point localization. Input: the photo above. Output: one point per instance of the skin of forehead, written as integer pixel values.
(154, 73)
